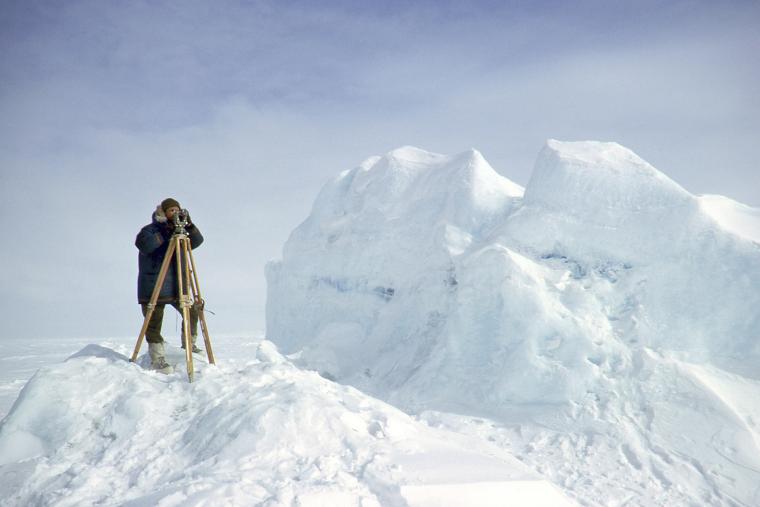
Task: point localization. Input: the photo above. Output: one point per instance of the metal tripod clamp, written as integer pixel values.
(185, 301)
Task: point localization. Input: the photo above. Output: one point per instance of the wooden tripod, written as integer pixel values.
(189, 295)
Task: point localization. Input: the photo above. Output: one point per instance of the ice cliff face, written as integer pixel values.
(378, 249)
(604, 310)
(432, 280)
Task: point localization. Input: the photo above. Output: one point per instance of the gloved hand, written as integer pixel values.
(189, 220)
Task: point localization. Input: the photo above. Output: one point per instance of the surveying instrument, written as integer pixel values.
(189, 291)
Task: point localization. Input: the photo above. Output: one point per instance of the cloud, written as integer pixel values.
(243, 110)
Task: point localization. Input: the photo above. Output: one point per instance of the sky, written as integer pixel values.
(243, 110)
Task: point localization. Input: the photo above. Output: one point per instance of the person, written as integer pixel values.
(153, 241)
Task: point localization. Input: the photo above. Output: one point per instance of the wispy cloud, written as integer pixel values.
(243, 109)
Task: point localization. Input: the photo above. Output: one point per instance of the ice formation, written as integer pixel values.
(595, 303)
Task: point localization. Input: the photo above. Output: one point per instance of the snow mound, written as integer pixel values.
(601, 199)
(430, 281)
(405, 212)
(732, 216)
(97, 429)
(601, 181)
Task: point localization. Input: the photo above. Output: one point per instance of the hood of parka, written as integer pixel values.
(159, 216)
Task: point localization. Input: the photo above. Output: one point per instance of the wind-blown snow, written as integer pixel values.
(732, 216)
(97, 429)
(596, 311)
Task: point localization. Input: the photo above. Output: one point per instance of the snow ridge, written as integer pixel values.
(97, 429)
(434, 285)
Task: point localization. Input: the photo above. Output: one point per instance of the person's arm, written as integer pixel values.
(196, 238)
(149, 239)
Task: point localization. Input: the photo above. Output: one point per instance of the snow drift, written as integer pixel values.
(595, 302)
(97, 429)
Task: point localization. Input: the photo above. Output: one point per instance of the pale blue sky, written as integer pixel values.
(242, 110)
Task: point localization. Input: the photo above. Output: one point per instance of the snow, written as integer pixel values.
(577, 310)
(605, 203)
(437, 335)
(602, 182)
(732, 216)
(97, 429)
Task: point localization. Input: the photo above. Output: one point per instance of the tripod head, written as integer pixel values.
(180, 220)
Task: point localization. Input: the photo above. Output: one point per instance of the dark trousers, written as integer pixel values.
(153, 334)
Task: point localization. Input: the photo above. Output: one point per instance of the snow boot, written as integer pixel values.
(195, 349)
(157, 359)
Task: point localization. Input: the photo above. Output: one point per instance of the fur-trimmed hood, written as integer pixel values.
(159, 215)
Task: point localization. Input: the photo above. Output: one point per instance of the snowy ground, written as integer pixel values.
(22, 358)
(256, 430)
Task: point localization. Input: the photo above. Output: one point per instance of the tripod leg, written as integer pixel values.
(154, 297)
(201, 314)
(190, 289)
(184, 301)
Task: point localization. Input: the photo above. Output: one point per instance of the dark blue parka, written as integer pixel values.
(153, 241)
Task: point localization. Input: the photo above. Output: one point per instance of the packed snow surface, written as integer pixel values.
(605, 318)
(99, 430)
(733, 216)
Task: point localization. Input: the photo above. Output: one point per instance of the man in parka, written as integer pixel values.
(153, 242)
